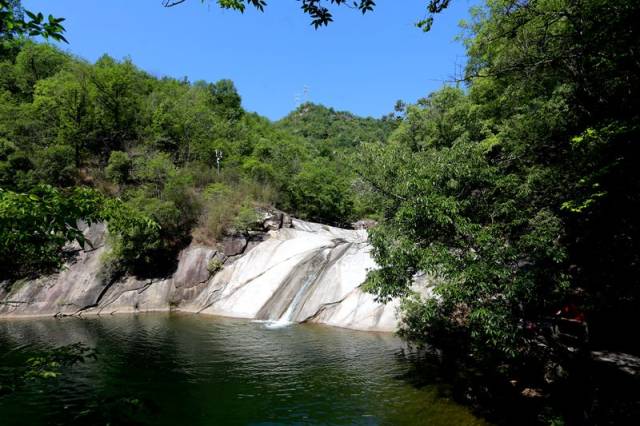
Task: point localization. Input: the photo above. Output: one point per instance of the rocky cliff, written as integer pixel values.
(294, 272)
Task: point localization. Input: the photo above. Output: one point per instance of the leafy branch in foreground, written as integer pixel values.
(320, 14)
(45, 365)
(35, 226)
(48, 364)
(13, 23)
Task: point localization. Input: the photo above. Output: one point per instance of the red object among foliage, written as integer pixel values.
(571, 312)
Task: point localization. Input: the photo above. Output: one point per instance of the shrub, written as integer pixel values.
(34, 227)
(246, 219)
(118, 168)
(214, 265)
(16, 168)
(320, 193)
(134, 236)
(55, 165)
(226, 207)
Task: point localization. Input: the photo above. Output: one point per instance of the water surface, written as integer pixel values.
(198, 370)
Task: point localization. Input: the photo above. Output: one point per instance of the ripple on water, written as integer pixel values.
(188, 369)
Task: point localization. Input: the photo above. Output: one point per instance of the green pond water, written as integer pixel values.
(175, 369)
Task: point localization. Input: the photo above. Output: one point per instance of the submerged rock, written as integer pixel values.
(297, 272)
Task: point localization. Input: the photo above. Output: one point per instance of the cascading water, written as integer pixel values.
(287, 317)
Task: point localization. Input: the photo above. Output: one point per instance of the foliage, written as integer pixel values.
(46, 365)
(227, 208)
(37, 62)
(330, 131)
(35, 226)
(225, 100)
(16, 168)
(320, 193)
(49, 363)
(184, 159)
(119, 167)
(214, 265)
(320, 14)
(521, 193)
(135, 237)
(246, 219)
(65, 104)
(14, 23)
(55, 166)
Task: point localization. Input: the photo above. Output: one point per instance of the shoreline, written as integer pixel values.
(25, 317)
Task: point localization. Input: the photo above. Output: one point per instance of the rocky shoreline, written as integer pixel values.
(290, 271)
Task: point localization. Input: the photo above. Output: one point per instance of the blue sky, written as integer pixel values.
(359, 63)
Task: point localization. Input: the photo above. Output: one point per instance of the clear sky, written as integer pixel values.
(359, 63)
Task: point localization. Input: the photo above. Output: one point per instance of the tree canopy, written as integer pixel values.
(518, 197)
(181, 160)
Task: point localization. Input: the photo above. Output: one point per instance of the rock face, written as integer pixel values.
(296, 272)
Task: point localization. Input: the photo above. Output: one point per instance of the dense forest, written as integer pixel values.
(515, 189)
(164, 160)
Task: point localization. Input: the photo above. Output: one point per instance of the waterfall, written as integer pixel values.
(310, 269)
(287, 317)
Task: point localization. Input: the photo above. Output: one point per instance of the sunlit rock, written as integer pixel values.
(296, 272)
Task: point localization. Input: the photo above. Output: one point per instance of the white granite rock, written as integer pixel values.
(309, 272)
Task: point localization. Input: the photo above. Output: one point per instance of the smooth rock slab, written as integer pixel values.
(304, 273)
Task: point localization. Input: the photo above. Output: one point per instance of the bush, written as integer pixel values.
(179, 189)
(259, 171)
(135, 238)
(218, 213)
(214, 265)
(34, 227)
(153, 172)
(225, 207)
(119, 167)
(16, 168)
(55, 165)
(246, 219)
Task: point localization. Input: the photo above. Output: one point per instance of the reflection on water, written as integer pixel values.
(198, 370)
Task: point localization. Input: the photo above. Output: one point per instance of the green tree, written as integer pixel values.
(65, 103)
(16, 168)
(510, 194)
(225, 100)
(34, 62)
(320, 193)
(119, 167)
(119, 88)
(55, 166)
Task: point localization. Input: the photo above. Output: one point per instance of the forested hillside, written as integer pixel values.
(335, 132)
(165, 160)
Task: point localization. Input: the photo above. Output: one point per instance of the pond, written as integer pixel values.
(177, 369)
